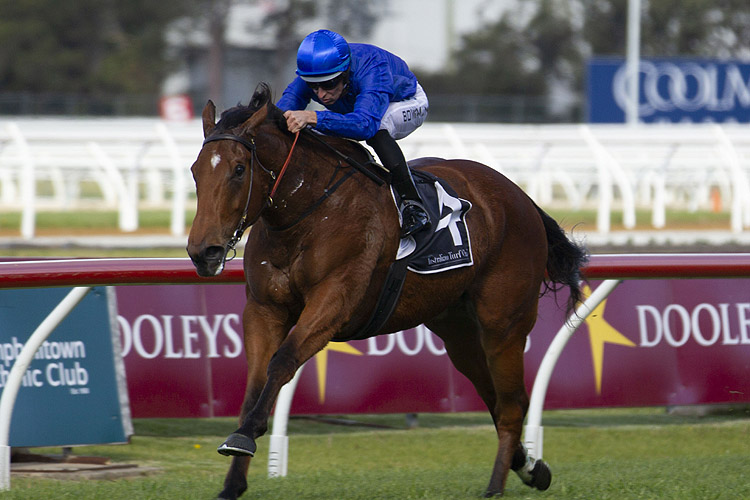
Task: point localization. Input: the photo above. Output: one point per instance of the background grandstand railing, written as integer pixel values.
(131, 163)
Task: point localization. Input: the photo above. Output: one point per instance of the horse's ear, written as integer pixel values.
(261, 96)
(248, 128)
(209, 118)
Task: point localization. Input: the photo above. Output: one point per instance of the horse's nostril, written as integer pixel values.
(214, 253)
(209, 261)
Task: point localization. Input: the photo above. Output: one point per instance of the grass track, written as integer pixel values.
(594, 454)
(79, 222)
(600, 454)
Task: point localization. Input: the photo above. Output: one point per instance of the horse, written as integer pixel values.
(322, 237)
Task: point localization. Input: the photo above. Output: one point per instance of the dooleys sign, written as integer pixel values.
(652, 342)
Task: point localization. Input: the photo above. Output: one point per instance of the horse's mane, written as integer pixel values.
(236, 116)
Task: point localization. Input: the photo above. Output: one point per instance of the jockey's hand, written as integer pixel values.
(297, 120)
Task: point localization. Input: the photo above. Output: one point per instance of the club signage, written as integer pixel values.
(74, 390)
(652, 342)
(670, 90)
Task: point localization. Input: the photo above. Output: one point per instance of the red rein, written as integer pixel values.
(283, 169)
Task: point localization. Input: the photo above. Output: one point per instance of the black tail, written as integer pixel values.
(564, 261)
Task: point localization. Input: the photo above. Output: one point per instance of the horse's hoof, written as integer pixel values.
(238, 445)
(492, 494)
(541, 476)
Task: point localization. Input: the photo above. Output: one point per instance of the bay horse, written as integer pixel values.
(318, 251)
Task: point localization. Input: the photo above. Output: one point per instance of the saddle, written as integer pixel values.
(444, 246)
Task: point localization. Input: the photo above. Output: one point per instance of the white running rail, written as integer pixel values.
(132, 163)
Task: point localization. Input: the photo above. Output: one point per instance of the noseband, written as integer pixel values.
(250, 146)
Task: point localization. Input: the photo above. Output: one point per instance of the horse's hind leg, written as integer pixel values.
(460, 332)
(503, 337)
(458, 329)
(506, 369)
(533, 473)
(487, 347)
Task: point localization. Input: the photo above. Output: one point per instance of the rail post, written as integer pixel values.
(278, 445)
(533, 431)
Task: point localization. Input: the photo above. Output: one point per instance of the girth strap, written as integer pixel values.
(387, 301)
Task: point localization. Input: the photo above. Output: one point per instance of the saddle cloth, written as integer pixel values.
(446, 245)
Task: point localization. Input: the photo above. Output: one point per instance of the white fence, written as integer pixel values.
(131, 163)
(606, 166)
(53, 163)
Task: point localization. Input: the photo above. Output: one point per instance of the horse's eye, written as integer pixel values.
(239, 170)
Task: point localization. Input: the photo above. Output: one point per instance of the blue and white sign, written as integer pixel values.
(74, 391)
(670, 90)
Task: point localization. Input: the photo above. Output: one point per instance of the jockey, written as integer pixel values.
(369, 94)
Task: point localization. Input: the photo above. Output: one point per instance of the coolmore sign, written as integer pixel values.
(74, 391)
(652, 342)
(670, 90)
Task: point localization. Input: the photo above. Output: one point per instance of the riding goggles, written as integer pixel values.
(325, 85)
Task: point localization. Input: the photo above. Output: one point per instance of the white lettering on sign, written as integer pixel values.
(706, 324)
(55, 374)
(58, 374)
(419, 339)
(667, 86)
(9, 351)
(181, 337)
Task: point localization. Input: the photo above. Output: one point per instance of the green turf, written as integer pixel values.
(106, 220)
(594, 454)
(585, 219)
(91, 220)
(102, 223)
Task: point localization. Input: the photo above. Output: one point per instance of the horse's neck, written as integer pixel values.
(300, 185)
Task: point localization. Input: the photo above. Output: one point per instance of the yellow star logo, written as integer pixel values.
(600, 333)
(321, 363)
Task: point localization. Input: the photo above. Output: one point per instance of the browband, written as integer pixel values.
(221, 137)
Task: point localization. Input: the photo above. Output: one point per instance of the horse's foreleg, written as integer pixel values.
(281, 368)
(261, 339)
(323, 316)
(235, 482)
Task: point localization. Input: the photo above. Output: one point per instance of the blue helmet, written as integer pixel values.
(322, 55)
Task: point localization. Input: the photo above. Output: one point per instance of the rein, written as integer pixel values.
(283, 169)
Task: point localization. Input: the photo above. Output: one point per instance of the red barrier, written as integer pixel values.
(188, 338)
(86, 272)
(142, 271)
(688, 265)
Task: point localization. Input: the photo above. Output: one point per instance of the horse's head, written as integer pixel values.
(231, 184)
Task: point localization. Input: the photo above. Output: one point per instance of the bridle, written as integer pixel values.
(250, 146)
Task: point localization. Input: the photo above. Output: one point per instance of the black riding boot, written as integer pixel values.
(413, 213)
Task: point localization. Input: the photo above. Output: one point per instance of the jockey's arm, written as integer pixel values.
(359, 123)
